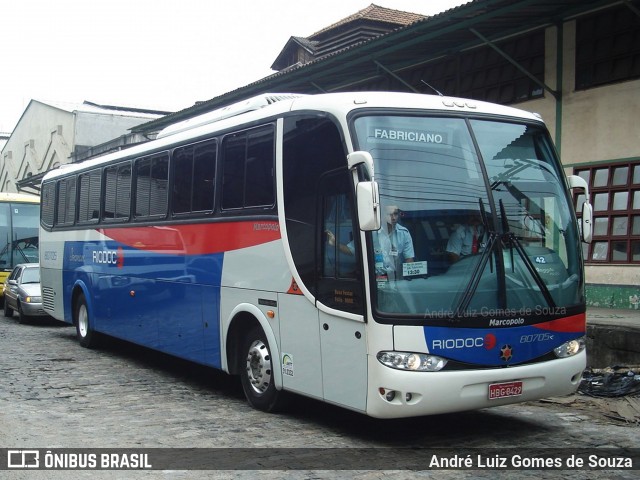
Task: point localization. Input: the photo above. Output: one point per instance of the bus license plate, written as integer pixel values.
(504, 390)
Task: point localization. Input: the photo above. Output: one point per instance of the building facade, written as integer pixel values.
(51, 134)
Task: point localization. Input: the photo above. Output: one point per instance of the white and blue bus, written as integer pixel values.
(256, 239)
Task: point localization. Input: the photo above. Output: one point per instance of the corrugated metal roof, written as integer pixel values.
(464, 27)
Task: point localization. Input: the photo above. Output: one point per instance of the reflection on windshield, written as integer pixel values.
(491, 229)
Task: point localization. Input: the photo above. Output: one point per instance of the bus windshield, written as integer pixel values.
(475, 220)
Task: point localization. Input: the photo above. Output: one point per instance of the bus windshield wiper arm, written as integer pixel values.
(512, 241)
(474, 281)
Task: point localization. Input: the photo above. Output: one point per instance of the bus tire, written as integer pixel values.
(86, 336)
(256, 373)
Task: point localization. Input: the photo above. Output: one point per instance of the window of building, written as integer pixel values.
(607, 47)
(248, 163)
(615, 196)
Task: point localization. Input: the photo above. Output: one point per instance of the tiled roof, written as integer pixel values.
(376, 13)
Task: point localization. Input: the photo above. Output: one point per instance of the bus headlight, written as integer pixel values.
(570, 348)
(415, 362)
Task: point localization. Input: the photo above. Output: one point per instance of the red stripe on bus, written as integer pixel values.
(574, 323)
(197, 239)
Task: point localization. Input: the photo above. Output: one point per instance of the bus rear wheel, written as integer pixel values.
(256, 373)
(86, 336)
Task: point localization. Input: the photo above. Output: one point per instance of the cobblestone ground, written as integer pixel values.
(55, 394)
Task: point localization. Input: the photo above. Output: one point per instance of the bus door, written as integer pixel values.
(340, 294)
(322, 336)
(322, 342)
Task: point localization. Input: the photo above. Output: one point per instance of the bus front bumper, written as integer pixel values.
(395, 393)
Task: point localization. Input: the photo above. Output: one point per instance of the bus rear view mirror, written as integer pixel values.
(361, 158)
(586, 222)
(368, 206)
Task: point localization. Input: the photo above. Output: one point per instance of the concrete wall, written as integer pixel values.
(47, 136)
(597, 125)
(43, 137)
(95, 128)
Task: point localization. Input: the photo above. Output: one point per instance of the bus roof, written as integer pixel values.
(274, 104)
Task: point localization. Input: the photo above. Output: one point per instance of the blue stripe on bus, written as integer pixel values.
(502, 346)
(169, 301)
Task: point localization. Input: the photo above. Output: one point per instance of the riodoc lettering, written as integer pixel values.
(457, 343)
(109, 257)
(408, 135)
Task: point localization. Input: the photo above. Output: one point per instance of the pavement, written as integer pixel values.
(613, 337)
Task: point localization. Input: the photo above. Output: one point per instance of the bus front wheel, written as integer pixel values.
(256, 373)
(86, 336)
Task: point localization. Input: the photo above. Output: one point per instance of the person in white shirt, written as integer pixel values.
(392, 242)
(466, 240)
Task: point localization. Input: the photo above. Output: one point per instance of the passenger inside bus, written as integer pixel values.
(467, 239)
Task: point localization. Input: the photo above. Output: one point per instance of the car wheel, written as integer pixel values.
(86, 336)
(8, 311)
(22, 318)
(256, 373)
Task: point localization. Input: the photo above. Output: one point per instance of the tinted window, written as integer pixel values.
(151, 186)
(66, 201)
(89, 203)
(193, 178)
(47, 199)
(117, 201)
(248, 169)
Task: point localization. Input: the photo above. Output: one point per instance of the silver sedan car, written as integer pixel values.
(22, 292)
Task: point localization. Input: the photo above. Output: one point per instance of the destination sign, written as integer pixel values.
(406, 135)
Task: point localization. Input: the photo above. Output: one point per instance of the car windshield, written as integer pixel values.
(475, 219)
(30, 275)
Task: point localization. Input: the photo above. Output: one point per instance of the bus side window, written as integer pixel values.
(89, 202)
(338, 254)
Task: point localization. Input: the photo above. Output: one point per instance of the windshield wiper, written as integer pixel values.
(476, 275)
(511, 240)
(474, 280)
